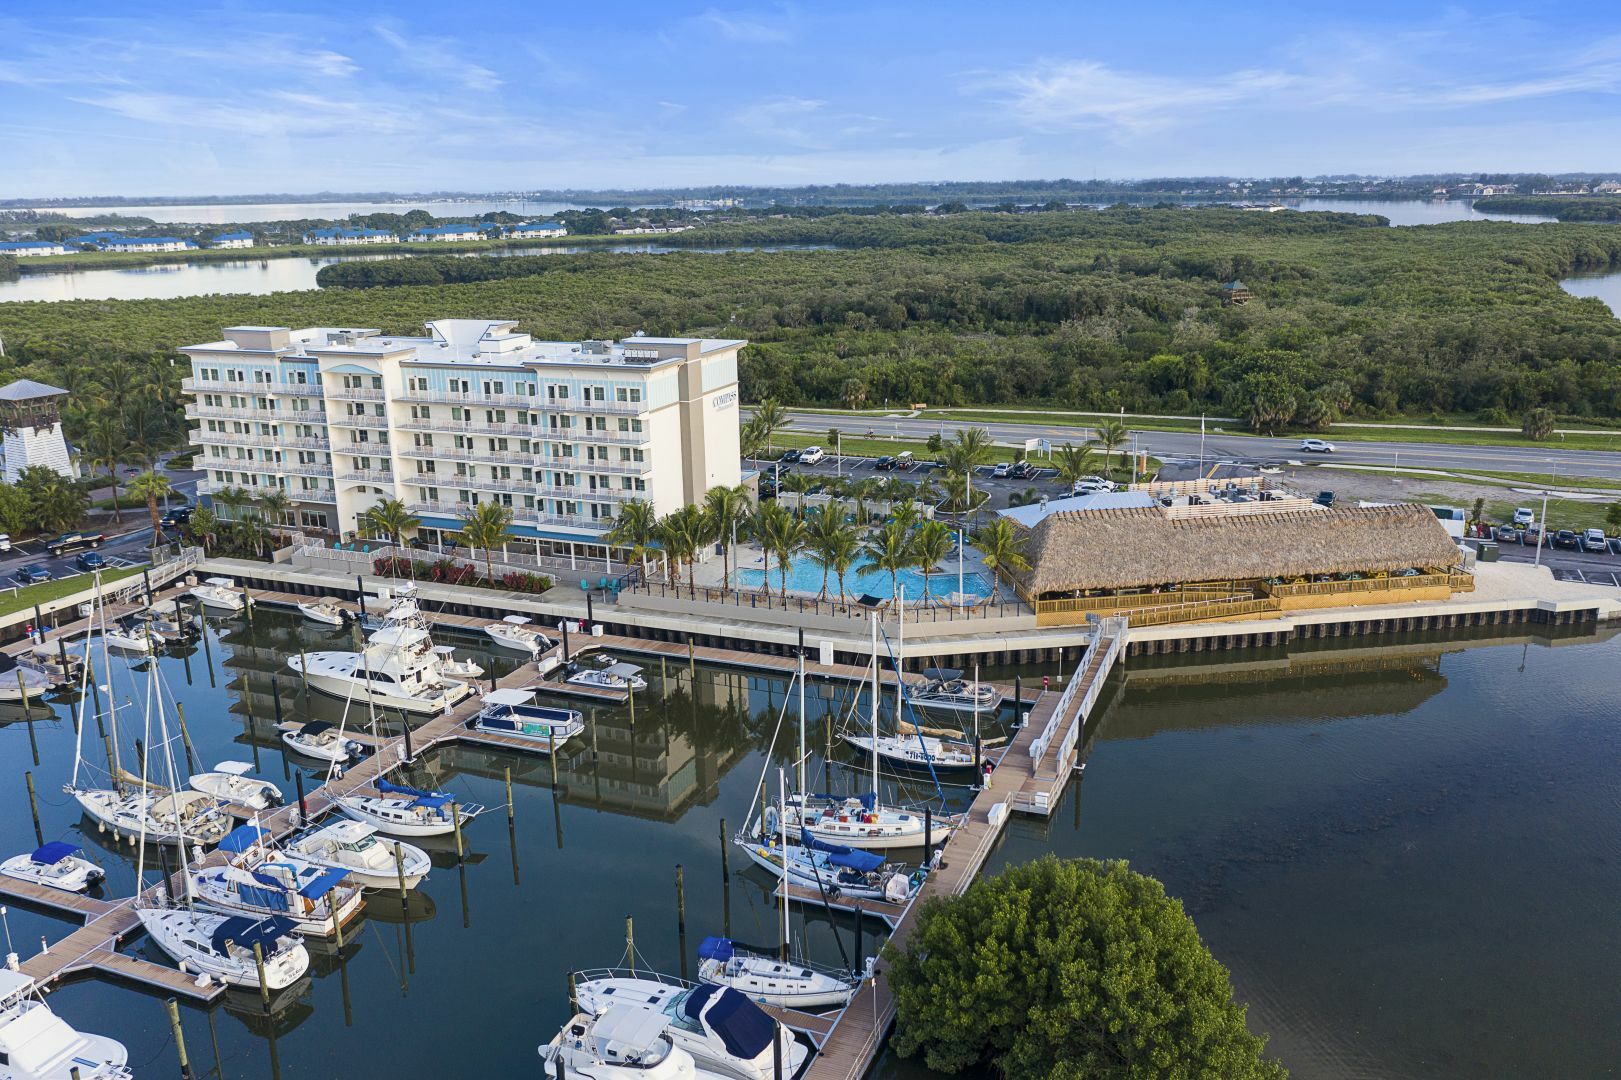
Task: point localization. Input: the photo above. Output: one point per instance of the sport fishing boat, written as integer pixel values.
(623, 1043)
(860, 821)
(832, 868)
(229, 781)
(323, 611)
(397, 669)
(721, 1028)
(260, 883)
(323, 741)
(510, 712)
(946, 691)
(404, 610)
(398, 810)
(790, 984)
(612, 677)
(221, 946)
(513, 632)
(369, 860)
(36, 1044)
(57, 864)
(217, 592)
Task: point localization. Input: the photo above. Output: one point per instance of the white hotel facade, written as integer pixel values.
(562, 432)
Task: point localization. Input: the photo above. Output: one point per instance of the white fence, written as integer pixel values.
(1109, 638)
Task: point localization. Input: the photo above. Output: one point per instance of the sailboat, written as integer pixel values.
(911, 747)
(260, 882)
(834, 869)
(36, 1044)
(398, 810)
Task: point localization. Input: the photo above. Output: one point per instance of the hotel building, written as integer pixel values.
(563, 432)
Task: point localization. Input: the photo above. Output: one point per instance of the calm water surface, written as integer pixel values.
(1607, 287)
(1408, 855)
(216, 214)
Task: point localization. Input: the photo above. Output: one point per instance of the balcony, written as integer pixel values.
(314, 495)
(247, 438)
(345, 420)
(353, 393)
(446, 397)
(617, 468)
(464, 453)
(296, 468)
(440, 509)
(511, 485)
(215, 386)
(477, 427)
(198, 411)
(622, 408)
(580, 435)
(367, 476)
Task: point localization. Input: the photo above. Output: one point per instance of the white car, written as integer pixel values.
(1316, 446)
(811, 455)
(1003, 468)
(1524, 516)
(1087, 485)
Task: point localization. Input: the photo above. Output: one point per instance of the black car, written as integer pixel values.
(1564, 538)
(1324, 498)
(89, 561)
(178, 515)
(789, 455)
(28, 575)
(884, 464)
(1020, 471)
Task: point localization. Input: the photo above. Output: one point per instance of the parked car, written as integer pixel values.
(5, 541)
(1021, 470)
(28, 575)
(790, 455)
(1003, 470)
(1595, 540)
(90, 561)
(178, 515)
(1091, 484)
(811, 455)
(1524, 515)
(1507, 534)
(884, 464)
(1567, 539)
(1316, 446)
(1532, 536)
(73, 541)
(1615, 545)
(1324, 498)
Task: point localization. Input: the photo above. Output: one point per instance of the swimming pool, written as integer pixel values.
(805, 577)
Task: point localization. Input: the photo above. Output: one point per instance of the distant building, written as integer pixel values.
(349, 237)
(530, 230)
(233, 240)
(25, 248)
(647, 230)
(31, 429)
(95, 239)
(447, 233)
(1236, 293)
(148, 243)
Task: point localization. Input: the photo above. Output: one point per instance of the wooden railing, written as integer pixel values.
(1203, 610)
(1461, 582)
(1360, 585)
(1109, 638)
(758, 599)
(1127, 601)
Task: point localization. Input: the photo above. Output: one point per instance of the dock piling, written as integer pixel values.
(185, 737)
(337, 919)
(208, 652)
(725, 868)
(551, 752)
(303, 806)
(928, 833)
(630, 944)
(456, 824)
(173, 1008)
(33, 808)
(399, 869)
(360, 590)
(28, 718)
(681, 917)
(509, 793)
(259, 966)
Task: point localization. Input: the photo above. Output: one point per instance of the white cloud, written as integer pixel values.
(780, 120)
(443, 59)
(747, 28)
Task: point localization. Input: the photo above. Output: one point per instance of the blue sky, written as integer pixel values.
(166, 98)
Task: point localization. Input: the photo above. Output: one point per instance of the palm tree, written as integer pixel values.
(684, 534)
(772, 418)
(485, 525)
(930, 545)
(635, 530)
(1111, 436)
(1023, 497)
(203, 525)
(60, 504)
(108, 447)
(232, 499)
(152, 487)
(890, 549)
(828, 540)
(972, 446)
(781, 534)
(904, 511)
(727, 508)
(799, 484)
(1073, 462)
(391, 518)
(251, 532)
(1002, 548)
(846, 557)
(861, 492)
(751, 438)
(275, 503)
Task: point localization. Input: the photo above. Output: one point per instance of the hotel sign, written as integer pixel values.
(723, 401)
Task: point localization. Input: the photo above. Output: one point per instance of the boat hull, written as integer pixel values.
(348, 689)
(315, 614)
(166, 928)
(884, 836)
(391, 826)
(81, 875)
(121, 817)
(813, 998)
(337, 752)
(911, 755)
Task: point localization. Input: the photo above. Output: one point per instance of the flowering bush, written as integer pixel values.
(450, 572)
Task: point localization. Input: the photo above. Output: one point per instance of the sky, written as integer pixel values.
(166, 98)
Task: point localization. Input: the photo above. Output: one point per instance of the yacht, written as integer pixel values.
(321, 740)
(947, 691)
(398, 810)
(36, 1044)
(613, 677)
(833, 868)
(721, 1028)
(788, 984)
(916, 751)
(221, 946)
(162, 814)
(513, 632)
(229, 781)
(861, 821)
(623, 1043)
(217, 592)
(510, 712)
(405, 611)
(323, 611)
(57, 864)
(397, 669)
(368, 859)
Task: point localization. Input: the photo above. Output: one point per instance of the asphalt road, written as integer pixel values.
(1185, 445)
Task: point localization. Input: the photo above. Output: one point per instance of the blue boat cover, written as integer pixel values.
(869, 800)
(745, 1030)
(269, 899)
(431, 799)
(243, 837)
(715, 948)
(863, 861)
(247, 932)
(322, 883)
(53, 853)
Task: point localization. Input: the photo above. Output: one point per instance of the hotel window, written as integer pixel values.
(233, 375)
(298, 378)
(459, 413)
(494, 387)
(209, 374)
(262, 377)
(425, 468)
(421, 412)
(416, 383)
(312, 519)
(461, 386)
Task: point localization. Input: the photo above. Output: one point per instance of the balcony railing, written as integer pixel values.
(299, 468)
(464, 453)
(353, 393)
(213, 386)
(247, 438)
(367, 476)
(198, 411)
(473, 426)
(580, 435)
(346, 420)
(520, 401)
(618, 468)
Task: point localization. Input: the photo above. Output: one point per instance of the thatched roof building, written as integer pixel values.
(1121, 549)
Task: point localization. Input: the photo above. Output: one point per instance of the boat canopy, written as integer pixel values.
(315, 727)
(431, 799)
(715, 948)
(509, 696)
(398, 637)
(624, 671)
(742, 1026)
(321, 883)
(517, 620)
(632, 1028)
(942, 674)
(243, 837)
(52, 853)
(234, 768)
(248, 932)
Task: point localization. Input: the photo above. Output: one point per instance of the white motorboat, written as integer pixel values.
(916, 751)
(161, 814)
(260, 884)
(368, 859)
(57, 864)
(946, 691)
(398, 810)
(57, 664)
(789, 984)
(613, 677)
(221, 946)
(404, 611)
(132, 637)
(862, 822)
(36, 1044)
(452, 668)
(513, 632)
(229, 781)
(323, 611)
(543, 729)
(165, 617)
(397, 669)
(834, 869)
(721, 1028)
(322, 741)
(21, 683)
(217, 592)
(623, 1043)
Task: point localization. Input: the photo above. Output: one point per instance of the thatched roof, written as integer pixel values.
(1125, 549)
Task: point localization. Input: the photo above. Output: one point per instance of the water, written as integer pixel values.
(805, 577)
(1407, 853)
(242, 213)
(1606, 286)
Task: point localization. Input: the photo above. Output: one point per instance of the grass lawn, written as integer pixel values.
(24, 597)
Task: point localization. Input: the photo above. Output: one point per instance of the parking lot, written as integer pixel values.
(1044, 481)
(121, 550)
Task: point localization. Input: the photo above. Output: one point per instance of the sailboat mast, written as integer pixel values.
(900, 665)
(782, 824)
(117, 762)
(876, 689)
(802, 723)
